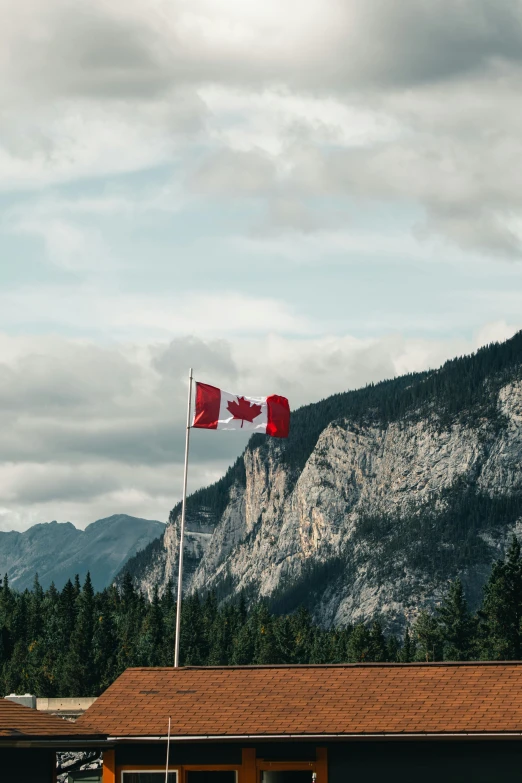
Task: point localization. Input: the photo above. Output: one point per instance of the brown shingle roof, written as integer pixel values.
(300, 700)
(19, 722)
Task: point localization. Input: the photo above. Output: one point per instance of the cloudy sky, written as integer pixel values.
(291, 197)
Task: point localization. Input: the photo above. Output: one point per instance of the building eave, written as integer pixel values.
(54, 742)
(514, 735)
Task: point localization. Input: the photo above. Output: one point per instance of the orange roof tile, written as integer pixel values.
(312, 700)
(19, 722)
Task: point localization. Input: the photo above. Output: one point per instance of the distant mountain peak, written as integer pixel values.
(59, 550)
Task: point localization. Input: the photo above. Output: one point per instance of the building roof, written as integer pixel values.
(18, 723)
(348, 700)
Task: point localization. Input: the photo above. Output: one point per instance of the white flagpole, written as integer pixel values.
(182, 528)
(168, 754)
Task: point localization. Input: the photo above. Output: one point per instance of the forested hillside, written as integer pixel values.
(377, 499)
(76, 642)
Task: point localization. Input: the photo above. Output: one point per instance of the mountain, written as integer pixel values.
(379, 497)
(59, 551)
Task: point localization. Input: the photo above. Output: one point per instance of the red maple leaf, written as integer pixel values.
(244, 410)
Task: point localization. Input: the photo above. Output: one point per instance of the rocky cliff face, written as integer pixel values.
(384, 510)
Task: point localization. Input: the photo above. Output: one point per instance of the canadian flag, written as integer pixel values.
(219, 410)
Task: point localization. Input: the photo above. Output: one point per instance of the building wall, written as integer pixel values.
(27, 765)
(65, 706)
(212, 753)
(239, 756)
(189, 753)
(429, 761)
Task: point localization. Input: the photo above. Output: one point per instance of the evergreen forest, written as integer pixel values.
(75, 642)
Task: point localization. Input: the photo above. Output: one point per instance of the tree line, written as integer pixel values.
(75, 642)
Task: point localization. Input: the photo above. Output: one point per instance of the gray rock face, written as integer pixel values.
(59, 551)
(377, 521)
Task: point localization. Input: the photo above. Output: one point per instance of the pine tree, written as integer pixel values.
(407, 651)
(193, 649)
(377, 643)
(168, 610)
(20, 619)
(53, 650)
(302, 630)
(3, 652)
(456, 624)
(78, 676)
(337, 642)
(6, 612)
(129, 618)
(15, 670)
(105, 643)
(428, 637)
(151, 637)
(35, 613)
(242, 608)
(393, 649)
(128, 593)
(67, 613)
(358, 649)
(220, 636)
(244, 645)
(501, 614)
(7, 599)
(284, 639)
(266, 645)
(209, 612)
(320, 648)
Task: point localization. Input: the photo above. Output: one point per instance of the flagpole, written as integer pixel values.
(168, 754)
(182, 528)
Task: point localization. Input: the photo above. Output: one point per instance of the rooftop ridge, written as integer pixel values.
(362, 665)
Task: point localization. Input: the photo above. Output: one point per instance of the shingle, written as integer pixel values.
(416, 698)
(17, 721)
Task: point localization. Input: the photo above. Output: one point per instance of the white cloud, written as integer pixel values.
(224, 312)
(68, 245)
(78, 139)
(413, 102)
(84, 500)
(271, 118)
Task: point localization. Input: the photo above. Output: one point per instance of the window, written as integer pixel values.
(148, 776)
(288, 776)
(211, 776)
